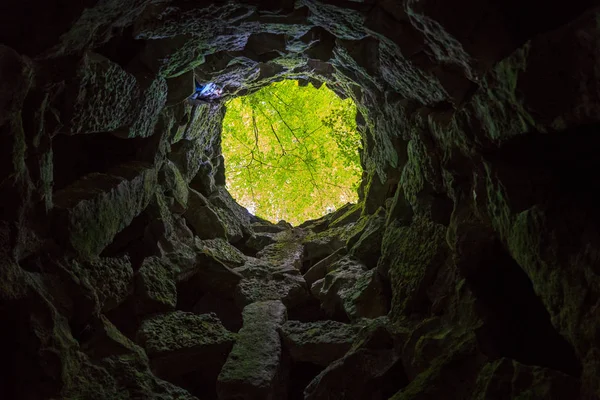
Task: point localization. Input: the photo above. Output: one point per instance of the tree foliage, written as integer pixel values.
(291, 152)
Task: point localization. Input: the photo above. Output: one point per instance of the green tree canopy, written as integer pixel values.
(291, 152)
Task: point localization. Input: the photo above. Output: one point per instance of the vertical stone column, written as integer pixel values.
(254, 369)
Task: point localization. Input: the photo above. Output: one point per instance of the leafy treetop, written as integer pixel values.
(291, 152)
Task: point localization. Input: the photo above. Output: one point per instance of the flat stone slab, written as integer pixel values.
(220, 249)
(287, 287)
(181, 342)
(274, 274)
(253, 368)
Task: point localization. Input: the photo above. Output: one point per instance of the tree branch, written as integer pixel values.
(283, 120)
(250, 180)
(279, 141)
(255, 130)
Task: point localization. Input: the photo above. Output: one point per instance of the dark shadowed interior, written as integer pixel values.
(469, 268)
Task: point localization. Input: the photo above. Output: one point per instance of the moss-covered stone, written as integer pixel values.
(236, 219)
(454, 372)
(320, 245)
(222, 250)
(254, 364)
(206, 272)
(320, 342)
(125, 377)
(368, 298)
(477, 116)
(365, 244)
(155, 288)
(545, 242)
(376, 193)
(90, 212)
(202, 217)
(176, 341)
(146, 109)
(259, 241)
(322, 268)
(373, 366)
(351, 290)
(109, 279)
(411, 257)
(102, 96)
(275, 274)
(188, 157)
(170, 177)
(350, 215)
(508, 379)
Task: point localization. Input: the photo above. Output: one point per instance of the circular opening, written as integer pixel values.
(291, 151)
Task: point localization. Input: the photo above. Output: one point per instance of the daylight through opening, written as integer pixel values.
(291, 151)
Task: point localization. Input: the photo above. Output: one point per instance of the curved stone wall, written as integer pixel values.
(468, 270)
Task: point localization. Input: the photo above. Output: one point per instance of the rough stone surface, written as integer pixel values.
(287, 286)
(170, 177)
(254, 365)
(509, 379)
(368, 298)
(319, 246)
(365, 245)
(373, 365)
(221, 250)
(454, 371)
(320, 269)
(259, 241)
(90, 212)
(180, 342)
(110, 279)
(155, 287)
(236, 218)
(274, 274)
(319, 342)
(203, 218)
(352, 290)
(411, 268)
(476, 228)
(102, 96)
(208, 273)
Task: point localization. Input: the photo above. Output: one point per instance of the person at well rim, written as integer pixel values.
(209, 91)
